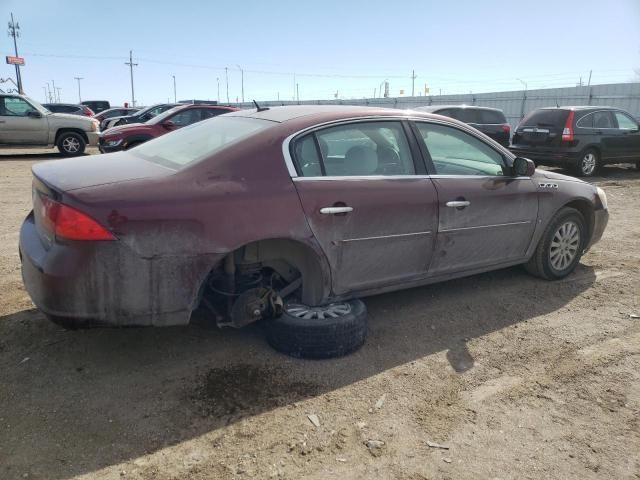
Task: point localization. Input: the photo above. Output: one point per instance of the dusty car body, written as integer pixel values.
(179, 220)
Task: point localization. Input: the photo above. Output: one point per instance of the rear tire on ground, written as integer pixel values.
(560, 247)
(316, 337)
(71, 144)
(588, 164)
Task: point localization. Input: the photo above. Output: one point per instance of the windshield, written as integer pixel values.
(198, 141)
(37, 105)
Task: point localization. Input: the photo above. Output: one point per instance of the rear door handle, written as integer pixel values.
(335, 210)
(458, 203)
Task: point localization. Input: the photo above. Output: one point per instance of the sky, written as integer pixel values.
(329, 49)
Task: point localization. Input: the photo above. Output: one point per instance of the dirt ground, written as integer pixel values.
(518, 377)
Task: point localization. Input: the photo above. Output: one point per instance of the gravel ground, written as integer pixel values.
(517, 377)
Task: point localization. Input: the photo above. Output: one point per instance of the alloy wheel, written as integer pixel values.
(71, 145)
(333, 310)
(588, 164)
(564, 245)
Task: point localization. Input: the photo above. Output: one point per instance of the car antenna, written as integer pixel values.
(259, 108)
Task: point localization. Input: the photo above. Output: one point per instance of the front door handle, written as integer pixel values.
(458, 203)
(336, 210)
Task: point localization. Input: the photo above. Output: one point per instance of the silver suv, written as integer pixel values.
(26, 123)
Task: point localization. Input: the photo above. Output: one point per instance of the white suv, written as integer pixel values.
(26, 123)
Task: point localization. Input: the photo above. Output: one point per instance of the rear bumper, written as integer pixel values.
(541, 157)
(601, 218)
(107, 284)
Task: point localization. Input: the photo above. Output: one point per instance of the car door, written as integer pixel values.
(629, 136)
(368, 203)
(486, 216)
(21, 123)
(605, 130)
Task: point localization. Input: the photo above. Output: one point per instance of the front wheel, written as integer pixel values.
(71, 144)
(588, 164)
(560, 247)
(327, 331)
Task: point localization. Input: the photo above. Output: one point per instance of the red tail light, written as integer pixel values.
(506, 128)
(69, 223)
(88, 112)
(567, 133)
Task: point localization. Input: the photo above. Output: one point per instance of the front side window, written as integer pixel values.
(356, 149)
(15, 107)
(624, 122)
(454, 152)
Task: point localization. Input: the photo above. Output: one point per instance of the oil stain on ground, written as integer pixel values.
(244, 389)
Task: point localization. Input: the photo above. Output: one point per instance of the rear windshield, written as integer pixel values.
(474, 115)
(198, 141)
(546, 118)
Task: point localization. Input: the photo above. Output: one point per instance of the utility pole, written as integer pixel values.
(49, 93)
(218, 80)
(130, 64)
(294, 86)
(297, 93)
(53, 90)
(413, 83)
(14, 31)
(58, 89)
(226, 75)
(524, 98)
(589, 83)
(175, 97)
(241, 80)
(79, 94)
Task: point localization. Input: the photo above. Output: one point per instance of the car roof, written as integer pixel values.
(321, 112)
(65, 104)
(580, 107)
(434, 108)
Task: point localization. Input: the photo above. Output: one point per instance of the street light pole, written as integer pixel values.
(175, 97)
(226, 75)
(241, 80)
(130, 64)
(79, 94)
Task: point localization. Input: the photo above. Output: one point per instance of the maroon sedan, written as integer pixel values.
(291, 214)
(131, 135)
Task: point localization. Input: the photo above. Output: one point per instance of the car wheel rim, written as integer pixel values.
(333, 310)
(564, 246)
(588, 163)
(71, 145)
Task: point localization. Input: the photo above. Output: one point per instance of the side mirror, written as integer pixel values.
(169, 125)
(34, 114)
(523, 167)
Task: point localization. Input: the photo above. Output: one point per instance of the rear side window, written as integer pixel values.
(358, 149)
(546, 118)
(491, 117)
(602, 120)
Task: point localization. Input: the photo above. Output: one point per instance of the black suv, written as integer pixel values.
(490, 121)
(582, 138)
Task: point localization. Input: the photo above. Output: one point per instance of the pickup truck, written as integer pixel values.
(26, 123)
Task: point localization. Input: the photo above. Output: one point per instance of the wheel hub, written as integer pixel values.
(588, 163)
(333, 310)
(564, 245)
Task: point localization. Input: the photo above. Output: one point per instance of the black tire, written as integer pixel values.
(541, 264)
(71, 144)
(319, 338)
(638, 164)
(588, 164)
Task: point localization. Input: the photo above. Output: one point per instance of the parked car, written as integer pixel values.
(105, 115)
(490, 121)
(131, 135)
(97, 105)
(291, 214)
(26, 123)
(69, 108)
(580, 138)
(140, 116)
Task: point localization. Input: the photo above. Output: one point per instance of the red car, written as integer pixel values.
(131, 135)
(290, 214)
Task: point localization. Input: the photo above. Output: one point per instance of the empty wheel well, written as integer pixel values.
(586, 209)
(80, 132)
